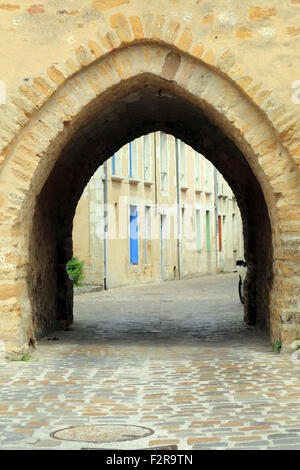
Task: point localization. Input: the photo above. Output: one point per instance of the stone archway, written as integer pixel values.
(134, 90)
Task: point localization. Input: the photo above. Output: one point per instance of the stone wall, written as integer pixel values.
(223, 77)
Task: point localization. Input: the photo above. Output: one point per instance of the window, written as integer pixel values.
(198, 230)
(197, 160)
(224, 232)
(183, 179)
(208, 231)
(116, 163)
(220, 185)
(134, 241)
(147, 230)
(113, 164)
(147, 157)
(207, 167)
(99, 175)
(133, 159)
(164, 162)
(234, 232)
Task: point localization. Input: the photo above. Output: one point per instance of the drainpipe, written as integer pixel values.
(216, 216)
(178, 206)
(105, 229)
(155, 175)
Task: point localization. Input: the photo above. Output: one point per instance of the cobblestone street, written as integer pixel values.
(173, 357)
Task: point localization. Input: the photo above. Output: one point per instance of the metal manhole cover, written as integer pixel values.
(102, 433)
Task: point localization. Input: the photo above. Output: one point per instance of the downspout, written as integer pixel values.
(155, 175)
(178, 207)
(105, 229)
(216, 216)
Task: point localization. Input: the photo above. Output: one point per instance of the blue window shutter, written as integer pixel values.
(134, 241)
(113, 164)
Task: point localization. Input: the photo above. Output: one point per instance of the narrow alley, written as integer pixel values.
(162, 365)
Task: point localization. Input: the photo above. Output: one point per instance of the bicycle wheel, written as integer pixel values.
(241, 290)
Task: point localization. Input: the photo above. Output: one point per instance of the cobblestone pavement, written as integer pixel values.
(174, 357)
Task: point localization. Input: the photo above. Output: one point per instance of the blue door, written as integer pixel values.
(134, 241)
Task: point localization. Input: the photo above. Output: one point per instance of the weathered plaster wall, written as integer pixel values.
(88, 226)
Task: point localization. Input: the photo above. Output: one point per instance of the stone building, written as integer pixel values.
(145, 229)
(80, 81)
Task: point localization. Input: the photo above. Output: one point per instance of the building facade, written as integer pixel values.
(170, 214)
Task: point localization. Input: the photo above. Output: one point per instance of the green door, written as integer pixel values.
(207, 231)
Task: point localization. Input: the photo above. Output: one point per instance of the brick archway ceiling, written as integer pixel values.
(144, 109)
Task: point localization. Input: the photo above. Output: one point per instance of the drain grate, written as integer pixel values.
(102, 433)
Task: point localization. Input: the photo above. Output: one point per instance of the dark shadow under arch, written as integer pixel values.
(145, 105)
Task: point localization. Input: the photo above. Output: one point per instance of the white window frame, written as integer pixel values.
(147, 157)
(183, 165)
(207, 173)
(164, 162)
(197, 160)
(134, 159)
(118, 163)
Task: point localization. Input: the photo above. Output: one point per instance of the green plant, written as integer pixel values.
(297, 341)
(277, 346)
(75, 270)
(25, 357)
